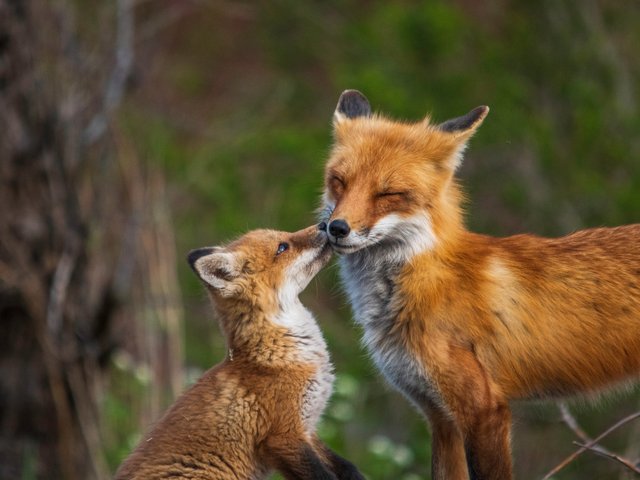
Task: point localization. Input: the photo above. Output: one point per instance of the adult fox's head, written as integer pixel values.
(392, 183)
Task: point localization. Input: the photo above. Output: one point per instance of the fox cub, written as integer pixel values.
(462, 323)
(257, 410)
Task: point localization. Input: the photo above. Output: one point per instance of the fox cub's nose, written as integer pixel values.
(339, 228)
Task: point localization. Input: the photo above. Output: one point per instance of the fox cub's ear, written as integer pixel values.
(351, 104)
(462, 128)
(216, 267)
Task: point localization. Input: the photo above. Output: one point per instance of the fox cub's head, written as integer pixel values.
(392, 183)
(264, 267)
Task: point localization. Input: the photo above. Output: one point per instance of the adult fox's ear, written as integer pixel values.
(351, 104)
(216, 267)
(466, 125)
(462, 128)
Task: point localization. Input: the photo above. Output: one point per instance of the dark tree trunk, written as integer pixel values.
(63, 240)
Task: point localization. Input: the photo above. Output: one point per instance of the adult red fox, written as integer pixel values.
(459, 322)
(257, 410)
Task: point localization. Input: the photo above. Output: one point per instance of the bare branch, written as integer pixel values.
(603, 453)
(590, 445)
(571, 422)
(633, 445)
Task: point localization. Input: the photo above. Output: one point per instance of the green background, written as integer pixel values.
(233, 110)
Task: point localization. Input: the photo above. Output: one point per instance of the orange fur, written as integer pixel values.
(257, 410)
(478, 321)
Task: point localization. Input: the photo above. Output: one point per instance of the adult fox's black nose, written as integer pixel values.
(339, 228)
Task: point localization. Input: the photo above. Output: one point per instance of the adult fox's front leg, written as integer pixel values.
(487, 443)
(482, 415)
(448, 458)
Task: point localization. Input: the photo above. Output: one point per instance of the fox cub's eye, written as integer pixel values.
(283, 247)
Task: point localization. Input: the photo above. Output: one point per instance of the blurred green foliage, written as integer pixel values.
(244, 131)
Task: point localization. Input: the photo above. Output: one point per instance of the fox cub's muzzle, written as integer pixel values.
(309, 238)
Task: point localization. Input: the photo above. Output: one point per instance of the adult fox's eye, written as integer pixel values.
(337, 185)
(389, 194)
(283, 247)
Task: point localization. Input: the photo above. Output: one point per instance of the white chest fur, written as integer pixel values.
(370, 282)
(310, 348)
(316, 396)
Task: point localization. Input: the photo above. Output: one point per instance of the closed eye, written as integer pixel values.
(336, 182)
(391, 194)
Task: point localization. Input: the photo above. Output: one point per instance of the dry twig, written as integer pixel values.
(604, 453)
(591, 445)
